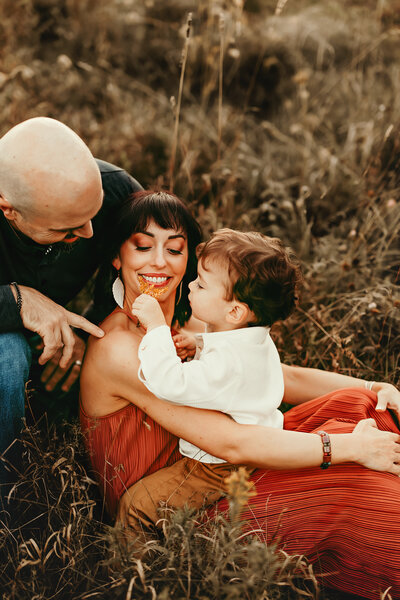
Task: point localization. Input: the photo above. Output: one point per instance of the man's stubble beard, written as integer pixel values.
(61, 248)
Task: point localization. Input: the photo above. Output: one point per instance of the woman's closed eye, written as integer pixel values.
(170, 250)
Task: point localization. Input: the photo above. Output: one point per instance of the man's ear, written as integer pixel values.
(239, 314)
(116, 262)
(8, 211)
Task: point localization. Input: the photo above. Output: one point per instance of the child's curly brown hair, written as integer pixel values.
(262, 272)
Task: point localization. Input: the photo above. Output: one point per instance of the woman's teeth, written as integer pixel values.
(155, 279)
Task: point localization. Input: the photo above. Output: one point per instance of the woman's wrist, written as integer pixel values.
(326, 449)
(344, 448)
(369, 385)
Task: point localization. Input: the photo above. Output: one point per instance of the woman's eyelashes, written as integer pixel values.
(172, 251)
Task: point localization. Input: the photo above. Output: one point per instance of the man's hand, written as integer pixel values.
(185, 345)
(388, 397)
(148, 312)
(378, 450)
(53, 323)
(53, 373)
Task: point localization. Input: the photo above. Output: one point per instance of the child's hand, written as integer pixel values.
(148, 312)
(185, 345)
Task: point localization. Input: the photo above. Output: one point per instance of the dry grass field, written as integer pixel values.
(270, 115)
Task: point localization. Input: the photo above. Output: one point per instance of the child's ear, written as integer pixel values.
(239, 314)
(116, 262)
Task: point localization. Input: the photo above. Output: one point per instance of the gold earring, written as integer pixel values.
(179, 295)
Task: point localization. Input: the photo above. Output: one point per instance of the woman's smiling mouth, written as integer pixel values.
(155, 280)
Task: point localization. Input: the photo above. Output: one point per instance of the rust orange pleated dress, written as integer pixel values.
(345, 519)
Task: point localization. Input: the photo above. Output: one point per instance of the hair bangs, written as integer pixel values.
(165, 210)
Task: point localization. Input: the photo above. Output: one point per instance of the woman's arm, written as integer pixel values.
(302, 384)
(219, 435)
(267, 447)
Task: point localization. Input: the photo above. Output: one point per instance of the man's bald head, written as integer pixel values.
(48, 175)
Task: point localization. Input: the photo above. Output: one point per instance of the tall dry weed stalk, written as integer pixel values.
(240, 490)
(280, 6)
(220, 82)
(185, 53)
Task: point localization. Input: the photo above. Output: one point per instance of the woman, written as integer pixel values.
(346, 517)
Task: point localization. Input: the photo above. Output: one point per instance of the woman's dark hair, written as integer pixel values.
(168, 212)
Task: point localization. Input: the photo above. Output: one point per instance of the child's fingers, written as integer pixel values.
(184, 343)
(180, 351)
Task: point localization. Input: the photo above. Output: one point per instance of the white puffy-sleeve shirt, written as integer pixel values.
(237, 372)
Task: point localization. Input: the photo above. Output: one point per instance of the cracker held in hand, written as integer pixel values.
(150, 290)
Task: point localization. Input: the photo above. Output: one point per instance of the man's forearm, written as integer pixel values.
(10, 319)
(302, 383)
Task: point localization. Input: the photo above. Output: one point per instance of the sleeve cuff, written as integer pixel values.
(10, 319)
(159, 336)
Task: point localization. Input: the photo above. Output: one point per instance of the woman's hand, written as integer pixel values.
(388, 397)
(185, 345)
(148, 312)
(378, 450)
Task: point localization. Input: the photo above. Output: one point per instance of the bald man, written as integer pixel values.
(56, 202)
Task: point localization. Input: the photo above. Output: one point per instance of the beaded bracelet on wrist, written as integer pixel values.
(327, 450)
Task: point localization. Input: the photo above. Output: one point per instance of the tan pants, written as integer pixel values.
(187, 482)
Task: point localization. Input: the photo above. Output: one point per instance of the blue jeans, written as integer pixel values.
(15, 361)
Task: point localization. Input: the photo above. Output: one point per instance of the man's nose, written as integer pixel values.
(86, 231)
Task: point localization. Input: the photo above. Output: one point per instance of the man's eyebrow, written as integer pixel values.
(170, 237)
(68, 228)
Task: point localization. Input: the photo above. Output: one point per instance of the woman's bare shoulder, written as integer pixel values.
(109, 372)
(119, 344)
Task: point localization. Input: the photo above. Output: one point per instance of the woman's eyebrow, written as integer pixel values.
(177, 235)
(170, 237)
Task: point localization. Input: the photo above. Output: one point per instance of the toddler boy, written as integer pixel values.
(246, 282)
